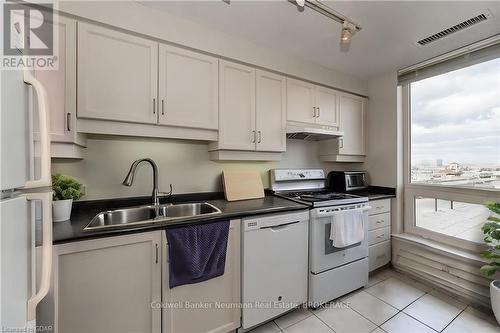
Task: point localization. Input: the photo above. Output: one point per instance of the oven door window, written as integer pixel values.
(323, 255)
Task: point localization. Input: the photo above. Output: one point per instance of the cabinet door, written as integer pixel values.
(352, 114)
(224, 290)
(300, 101)
(188, 92)
(117, 75)
(237, 106)
(108, 284)
(271, 112)
(60, 85)
(326, 104)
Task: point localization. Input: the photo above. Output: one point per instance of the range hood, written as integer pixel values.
(311, 132)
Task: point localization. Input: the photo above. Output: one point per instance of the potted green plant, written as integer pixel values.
(491, 230)
(65, 190)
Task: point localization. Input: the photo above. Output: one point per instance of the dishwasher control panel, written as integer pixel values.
(274, 220)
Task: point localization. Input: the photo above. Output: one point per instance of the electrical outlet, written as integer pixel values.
(83, 189)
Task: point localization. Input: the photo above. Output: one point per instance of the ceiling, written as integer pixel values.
(387, 41)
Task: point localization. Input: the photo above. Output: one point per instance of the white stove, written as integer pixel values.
(333, 271)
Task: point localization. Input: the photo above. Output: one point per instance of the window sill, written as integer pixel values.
(440, 248)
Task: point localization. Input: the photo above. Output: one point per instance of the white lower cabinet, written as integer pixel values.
(379, 233)
(105, 285)
(120, 284)
(217, 298)
(379, 255)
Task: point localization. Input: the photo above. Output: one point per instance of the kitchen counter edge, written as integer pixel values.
(72, 230)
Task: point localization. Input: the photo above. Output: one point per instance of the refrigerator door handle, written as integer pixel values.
(43, 119)
(46, 198)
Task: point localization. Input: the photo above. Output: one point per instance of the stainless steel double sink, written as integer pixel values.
(134, 216)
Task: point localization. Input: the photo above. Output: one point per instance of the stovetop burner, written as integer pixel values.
(307, 186)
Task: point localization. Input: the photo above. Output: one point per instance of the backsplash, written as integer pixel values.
(183, 163)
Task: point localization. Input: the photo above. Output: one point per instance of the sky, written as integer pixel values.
(456, 116)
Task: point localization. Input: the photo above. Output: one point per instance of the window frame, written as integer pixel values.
(413, 190)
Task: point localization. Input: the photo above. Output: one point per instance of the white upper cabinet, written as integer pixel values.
(327, 106)
(117, 75)
(188, 88)
(237, 107)
(271, 112)
(300, 101)
(350, 147)
(60, 85)
(312, 104)
(252, 114)
(352, 118)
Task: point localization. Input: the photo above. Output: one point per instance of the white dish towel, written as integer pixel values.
(347, 228)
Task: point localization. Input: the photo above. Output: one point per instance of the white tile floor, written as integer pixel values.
(390, 303)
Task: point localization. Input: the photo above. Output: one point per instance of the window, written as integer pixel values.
(455, 127)
(452, 148)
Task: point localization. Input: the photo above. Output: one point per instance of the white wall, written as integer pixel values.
(185, 164)
(144, 20)
(382, 131)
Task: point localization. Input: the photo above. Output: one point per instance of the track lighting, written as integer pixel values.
(348, 30)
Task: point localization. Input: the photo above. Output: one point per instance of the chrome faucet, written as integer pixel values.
(129, 179)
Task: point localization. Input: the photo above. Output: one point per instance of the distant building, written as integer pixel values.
(453, 169)
(439, 162)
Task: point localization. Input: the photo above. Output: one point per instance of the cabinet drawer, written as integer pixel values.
(380, 206)
(379, 235)
(379, 221)
(379, 255)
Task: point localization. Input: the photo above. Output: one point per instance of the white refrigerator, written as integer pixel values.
(19, 291)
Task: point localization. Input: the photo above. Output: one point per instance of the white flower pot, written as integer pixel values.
(61, 210)
(495, 298)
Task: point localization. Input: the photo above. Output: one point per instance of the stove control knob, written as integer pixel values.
(301, 175)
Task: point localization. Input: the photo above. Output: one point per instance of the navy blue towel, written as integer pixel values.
(197, 252)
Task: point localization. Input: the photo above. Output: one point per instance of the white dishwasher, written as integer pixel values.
(274, 265)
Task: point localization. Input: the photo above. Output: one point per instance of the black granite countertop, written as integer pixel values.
(84, 211)
(376, 192)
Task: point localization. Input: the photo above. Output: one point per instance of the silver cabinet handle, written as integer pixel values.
(68, 121)
(380, 236)
(156, 253)
(260, 137)
(379, 221)
(319, 112)
(154, 105)
(341, 143)
(314, 112)
(162, 107)
(254, 136)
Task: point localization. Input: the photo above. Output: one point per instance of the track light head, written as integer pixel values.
(348, 30)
